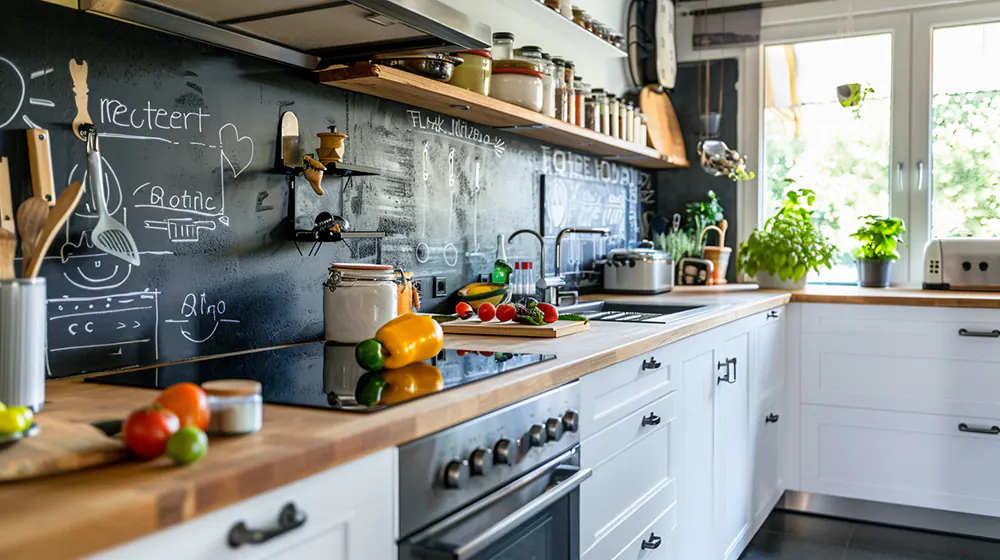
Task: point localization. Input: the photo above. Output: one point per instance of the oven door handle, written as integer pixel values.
(567, 478)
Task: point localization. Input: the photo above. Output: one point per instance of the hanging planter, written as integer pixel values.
(716, 158)
(852, 96)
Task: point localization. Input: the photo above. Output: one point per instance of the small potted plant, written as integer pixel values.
(880, 237)
(789, 246)
(851, 96)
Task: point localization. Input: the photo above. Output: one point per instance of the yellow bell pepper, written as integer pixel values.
(407, 339)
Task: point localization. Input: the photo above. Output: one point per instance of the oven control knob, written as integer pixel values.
(571, 420)
(456, 473)
(554, 429)
(537, 435)
(481, 461)
(505, 452)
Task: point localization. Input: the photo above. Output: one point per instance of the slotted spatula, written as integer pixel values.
(110, 235)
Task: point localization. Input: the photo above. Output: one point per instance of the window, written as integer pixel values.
(841, 153)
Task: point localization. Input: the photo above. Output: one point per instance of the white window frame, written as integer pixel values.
(911, 22)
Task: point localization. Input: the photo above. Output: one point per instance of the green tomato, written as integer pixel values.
(13, 421)
(370, 354)
(187, 445)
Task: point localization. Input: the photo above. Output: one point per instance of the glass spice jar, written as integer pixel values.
(578, 16)
(590, 111)
(622, 119)
(549, 83)
(503, 46)
(643, 132)
(570, 68)
(629, 123)
(601, 103)
(613, 116)
(554, 4)
(582, 91)
(588, 22)
(559, 74)
(600, 30)
(531, 54)
(566, 9)
(636, 125)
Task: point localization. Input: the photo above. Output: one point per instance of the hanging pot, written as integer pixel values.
(850, 95)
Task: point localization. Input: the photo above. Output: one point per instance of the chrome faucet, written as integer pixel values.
(548, 285)
(574, 295)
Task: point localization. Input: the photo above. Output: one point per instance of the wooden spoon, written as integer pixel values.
(65, 205)
(8, 246)
(724, 226)
(31, 216)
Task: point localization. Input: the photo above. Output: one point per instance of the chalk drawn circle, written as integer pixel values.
(112, 188)
(20, 94)
(423, 253)
(453, 260)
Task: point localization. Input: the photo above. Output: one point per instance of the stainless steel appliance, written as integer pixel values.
(624, 312)
(962, 264)
(502, 486)
(326, 375)
(307, 33)
(638, 271)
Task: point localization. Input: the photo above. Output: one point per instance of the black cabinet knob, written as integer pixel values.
(652, 543)
(651, 363)
(651, 420)
(771, 419)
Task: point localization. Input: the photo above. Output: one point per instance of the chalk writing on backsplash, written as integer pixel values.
(563, 163)
(458, 129)
(199, 313)
(149, 118)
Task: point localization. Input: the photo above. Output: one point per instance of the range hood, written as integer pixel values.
(306, 33)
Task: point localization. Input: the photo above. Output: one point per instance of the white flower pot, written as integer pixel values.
(768, 282)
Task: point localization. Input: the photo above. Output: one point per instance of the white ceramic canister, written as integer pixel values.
(357, 300)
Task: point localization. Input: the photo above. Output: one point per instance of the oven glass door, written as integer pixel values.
(534, 518)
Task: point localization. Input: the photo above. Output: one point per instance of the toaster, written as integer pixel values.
(962, 263)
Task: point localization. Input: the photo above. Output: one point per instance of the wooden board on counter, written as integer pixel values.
(496, 328)
(405, 87)
(59, 447)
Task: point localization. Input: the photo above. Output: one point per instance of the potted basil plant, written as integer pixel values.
(790, 245)
(880, 237)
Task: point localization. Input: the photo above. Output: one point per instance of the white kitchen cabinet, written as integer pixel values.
(768, 413)
(732, 444)
(350, 514)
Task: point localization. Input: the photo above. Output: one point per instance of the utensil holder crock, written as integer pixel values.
(22, 342)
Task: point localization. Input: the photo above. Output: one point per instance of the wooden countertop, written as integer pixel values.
(894, 296)
(77, 514)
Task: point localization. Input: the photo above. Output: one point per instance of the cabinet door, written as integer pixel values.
(732, 444)
(767, 432)
(696, 522)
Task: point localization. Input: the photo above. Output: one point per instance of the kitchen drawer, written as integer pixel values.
(630, 463)
(350, 514)
(612, 393)
(656, 517)
(881, 319)
(932, 370)
(902, 458)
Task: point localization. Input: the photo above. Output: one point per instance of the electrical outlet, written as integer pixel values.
(485, 278)
(440, 286)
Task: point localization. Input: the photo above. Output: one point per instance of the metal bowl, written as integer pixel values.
(7, 440)
(436, 67)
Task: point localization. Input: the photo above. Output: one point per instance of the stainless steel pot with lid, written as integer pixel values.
(641, 270)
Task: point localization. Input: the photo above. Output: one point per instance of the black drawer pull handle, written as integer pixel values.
(651, 420)
(730, 376)
(771, 419)
(652, 543)
(650, 364)
(289, 519)
(992, 430)
(772, 314)
(979, 334)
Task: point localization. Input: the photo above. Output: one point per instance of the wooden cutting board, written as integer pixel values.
(59, 447)
(664, 128)
(496, 328)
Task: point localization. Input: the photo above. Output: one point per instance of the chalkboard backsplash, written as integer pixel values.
(188, 139)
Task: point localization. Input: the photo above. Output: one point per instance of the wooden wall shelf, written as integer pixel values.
(411, 89)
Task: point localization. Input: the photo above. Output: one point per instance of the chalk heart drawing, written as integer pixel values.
(237, 151)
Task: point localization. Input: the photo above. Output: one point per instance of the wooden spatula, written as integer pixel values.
(8, 246)
(31, 216)
(65, 205)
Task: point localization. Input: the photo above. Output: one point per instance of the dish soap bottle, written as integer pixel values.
(501, 270)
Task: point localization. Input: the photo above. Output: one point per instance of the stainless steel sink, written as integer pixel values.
(624, 312)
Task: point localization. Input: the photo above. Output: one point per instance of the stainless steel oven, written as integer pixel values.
(505, 486)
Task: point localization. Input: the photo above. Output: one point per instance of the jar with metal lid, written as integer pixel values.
(590, 110)
(554, 4)
(357, 300)
(622, 119)
(503, 46)
(531, 54)
(578, 16)
(613, 117)
(636, 125)
(549, 83)
(582, 91)
(570, 92)
(629, 121)
(566, 8)
(643, 132)
(600, 30)
(601, 111)
(560, 78)
(236, 405)
(617, 40)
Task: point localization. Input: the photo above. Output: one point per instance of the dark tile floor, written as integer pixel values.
(790, 536)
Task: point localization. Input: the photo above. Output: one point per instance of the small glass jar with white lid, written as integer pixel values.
(236, 405)
(357, 300)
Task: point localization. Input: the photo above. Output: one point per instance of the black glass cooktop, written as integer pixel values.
(325, 375)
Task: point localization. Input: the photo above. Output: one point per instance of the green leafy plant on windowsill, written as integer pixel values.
(790, 244)
(880, 238)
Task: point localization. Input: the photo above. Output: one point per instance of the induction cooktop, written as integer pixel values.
(326, 375)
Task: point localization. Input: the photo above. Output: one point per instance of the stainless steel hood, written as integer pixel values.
(306, 33)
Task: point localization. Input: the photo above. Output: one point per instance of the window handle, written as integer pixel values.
(920, 175)
(899, 175)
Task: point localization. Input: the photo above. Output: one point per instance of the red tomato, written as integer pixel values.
(188, 402)
(550, 311)
(506, 313)
(463, 352)
(487, 354)
(464, 310)
(487, 312)
(147, 430)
